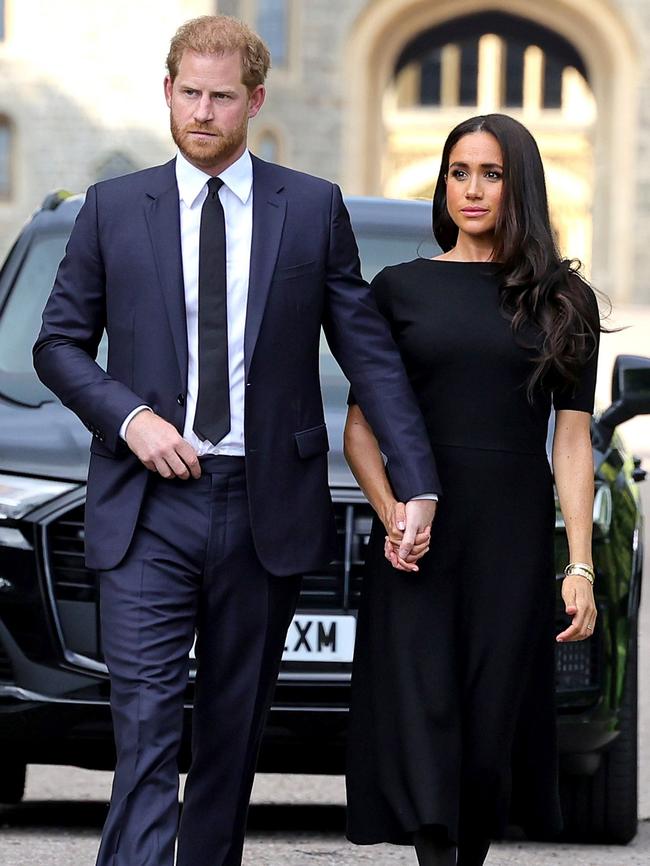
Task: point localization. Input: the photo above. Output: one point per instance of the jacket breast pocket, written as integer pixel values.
(312, 442)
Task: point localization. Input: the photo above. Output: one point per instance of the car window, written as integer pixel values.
(379, 250)
(21, 317)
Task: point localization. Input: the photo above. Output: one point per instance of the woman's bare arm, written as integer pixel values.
(366, 462)
(574, 477)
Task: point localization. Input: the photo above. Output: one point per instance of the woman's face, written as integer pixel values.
(475, 183)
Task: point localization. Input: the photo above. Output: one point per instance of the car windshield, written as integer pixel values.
(377, 250)
(20, 321)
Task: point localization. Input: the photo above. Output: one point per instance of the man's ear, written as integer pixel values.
(168, 85)
(256, 100)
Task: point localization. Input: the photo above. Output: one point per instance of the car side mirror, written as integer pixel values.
(630, 397)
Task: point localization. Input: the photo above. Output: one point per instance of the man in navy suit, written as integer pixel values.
(207, 488)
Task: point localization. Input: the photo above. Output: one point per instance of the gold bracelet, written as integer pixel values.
(580, 569)
(583, 565)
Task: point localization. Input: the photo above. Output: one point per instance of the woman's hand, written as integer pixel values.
(394, 519)
(578, 595)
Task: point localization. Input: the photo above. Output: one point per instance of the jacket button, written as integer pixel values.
(181, 399)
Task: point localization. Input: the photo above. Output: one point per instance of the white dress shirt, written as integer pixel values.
(236, 196)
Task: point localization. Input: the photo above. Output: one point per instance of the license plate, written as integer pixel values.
(317, 638)
(320, 638)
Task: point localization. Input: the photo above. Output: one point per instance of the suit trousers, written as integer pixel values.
(191, 570)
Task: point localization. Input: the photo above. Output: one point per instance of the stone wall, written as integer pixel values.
(81, 82)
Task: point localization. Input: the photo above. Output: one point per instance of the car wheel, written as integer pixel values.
(12, 780)
(603, 807)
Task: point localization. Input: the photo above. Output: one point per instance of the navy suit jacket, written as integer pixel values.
(122, 272)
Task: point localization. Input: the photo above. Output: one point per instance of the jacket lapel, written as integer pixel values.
(269, 209)
(163, 219)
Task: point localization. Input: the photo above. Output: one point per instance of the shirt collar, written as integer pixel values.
(238, 177)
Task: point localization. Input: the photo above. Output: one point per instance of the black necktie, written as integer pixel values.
(212, 419)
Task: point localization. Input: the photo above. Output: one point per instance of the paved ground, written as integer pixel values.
(296, 821)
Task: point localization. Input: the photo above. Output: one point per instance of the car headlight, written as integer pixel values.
(20, 495)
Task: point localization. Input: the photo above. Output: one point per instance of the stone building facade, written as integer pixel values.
(362, 91)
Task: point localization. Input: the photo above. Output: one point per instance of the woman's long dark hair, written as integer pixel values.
(539, 287)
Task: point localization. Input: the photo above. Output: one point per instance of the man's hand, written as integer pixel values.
(396, 525)
(393, 516)
(419, 517)
(159, 445)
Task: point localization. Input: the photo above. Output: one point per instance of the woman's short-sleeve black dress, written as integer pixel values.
(453, 717)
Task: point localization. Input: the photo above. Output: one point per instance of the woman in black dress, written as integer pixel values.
(452, 727)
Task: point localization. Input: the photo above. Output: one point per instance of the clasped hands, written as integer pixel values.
(408, 528)
(162, 449)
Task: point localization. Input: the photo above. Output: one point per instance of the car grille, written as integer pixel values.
(75, 588)
(578, 664)
(322, 695)
(338, 587)
(71, 580)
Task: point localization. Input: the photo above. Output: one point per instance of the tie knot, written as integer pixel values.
(214, 185)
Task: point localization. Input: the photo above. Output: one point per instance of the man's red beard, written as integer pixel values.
(207, 152)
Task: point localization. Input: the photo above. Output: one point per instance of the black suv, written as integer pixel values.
(54, 688)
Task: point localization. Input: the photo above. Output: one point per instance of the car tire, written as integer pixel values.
(603, 807)
(12, 780)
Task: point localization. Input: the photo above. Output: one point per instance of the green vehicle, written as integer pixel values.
(598, 704)
(54, 690)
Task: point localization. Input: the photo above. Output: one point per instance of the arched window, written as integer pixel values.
(6, 142)
(272, 23)
(514, 73)
(518, 62)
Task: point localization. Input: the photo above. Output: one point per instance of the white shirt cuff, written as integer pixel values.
(433, 496)
(129, 417)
